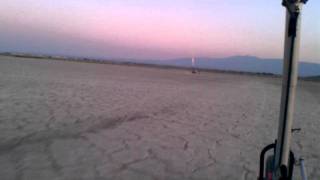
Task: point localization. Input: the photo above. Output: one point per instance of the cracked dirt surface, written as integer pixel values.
(66, 120)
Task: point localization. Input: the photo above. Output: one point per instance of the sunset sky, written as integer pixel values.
(150, 29)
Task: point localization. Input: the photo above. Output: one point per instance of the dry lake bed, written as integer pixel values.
(64, 120)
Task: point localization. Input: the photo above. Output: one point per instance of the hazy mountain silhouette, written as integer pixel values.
(250, 64)
(241, 64)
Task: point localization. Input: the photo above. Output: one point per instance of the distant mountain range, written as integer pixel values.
(250, 64)
(240, 64)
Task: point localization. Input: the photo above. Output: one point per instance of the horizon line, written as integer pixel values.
(142, 59)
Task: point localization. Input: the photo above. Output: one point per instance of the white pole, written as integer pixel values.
(193, 62)
(290, 74)
(303, 170)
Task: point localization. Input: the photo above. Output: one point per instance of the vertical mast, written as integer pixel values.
(193, 62)
(289, 83)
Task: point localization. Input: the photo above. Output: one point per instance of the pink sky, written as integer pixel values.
(153, 29)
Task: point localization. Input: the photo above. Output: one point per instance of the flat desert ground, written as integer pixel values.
(73, 121)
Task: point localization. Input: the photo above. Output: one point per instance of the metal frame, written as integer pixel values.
(283, 158)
